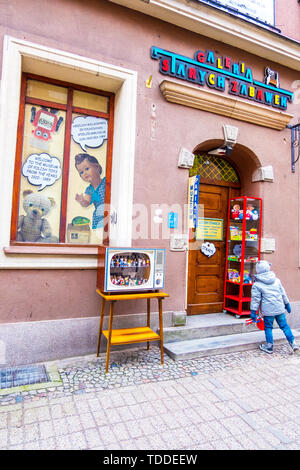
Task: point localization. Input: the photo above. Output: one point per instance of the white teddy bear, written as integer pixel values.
(34, 227)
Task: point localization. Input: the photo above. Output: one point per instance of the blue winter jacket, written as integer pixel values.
(268, 294)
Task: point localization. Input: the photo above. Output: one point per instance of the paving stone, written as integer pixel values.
(3, 438)
(235, 401)
(121, 432)
(43, 413)
(93, 438)
(46, 430)
(48, 444)
(78, 441)
(35, 445)
(3, 420)
(74, 424)
(16, 435)
(87, 420)
(64, 443)
(60, 427)
(134, 429)
(56, 411)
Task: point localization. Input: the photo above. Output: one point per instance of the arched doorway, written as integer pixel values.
(219, 181)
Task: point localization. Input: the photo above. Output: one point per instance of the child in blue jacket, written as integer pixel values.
(269, 295)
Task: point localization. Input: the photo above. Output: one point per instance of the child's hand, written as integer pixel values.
(79, 198)
(288, 308)
(83, 199)
(253, 316)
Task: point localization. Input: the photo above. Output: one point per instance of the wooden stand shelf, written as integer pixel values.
(130, 335)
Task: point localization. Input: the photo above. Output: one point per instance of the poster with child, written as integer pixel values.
(87, 182)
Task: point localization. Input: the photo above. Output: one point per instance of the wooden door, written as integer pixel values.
(206, 274)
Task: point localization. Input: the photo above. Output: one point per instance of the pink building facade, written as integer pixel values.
(178, 75)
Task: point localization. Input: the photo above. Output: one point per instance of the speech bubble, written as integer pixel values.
(41, 170)
(89, 131)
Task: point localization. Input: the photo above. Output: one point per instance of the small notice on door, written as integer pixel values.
(209, 229)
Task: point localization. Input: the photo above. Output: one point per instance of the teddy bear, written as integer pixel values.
(34, 227)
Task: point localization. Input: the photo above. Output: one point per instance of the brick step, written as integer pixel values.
(200, 347)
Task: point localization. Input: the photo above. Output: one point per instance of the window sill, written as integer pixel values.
(51, 250)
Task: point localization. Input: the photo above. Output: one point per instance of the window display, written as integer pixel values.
(242, 253)
(63, 164)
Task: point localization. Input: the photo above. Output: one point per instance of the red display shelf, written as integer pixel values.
(238, 299)
(244, 284)
(242, 253)
(237, 312)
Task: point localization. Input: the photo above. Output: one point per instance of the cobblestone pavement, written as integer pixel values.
(248, 400)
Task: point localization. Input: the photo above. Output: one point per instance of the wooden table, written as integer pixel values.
(130, 335)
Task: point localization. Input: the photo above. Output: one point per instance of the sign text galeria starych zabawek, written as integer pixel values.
(208, 69)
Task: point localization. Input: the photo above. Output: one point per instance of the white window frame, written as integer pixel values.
(22, 56)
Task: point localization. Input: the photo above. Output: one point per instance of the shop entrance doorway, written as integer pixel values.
(219, 181)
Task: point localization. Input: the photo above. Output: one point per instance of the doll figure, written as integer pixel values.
(247, 277)
(249, 212)
(235, 211)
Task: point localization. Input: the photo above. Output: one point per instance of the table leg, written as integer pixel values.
(100, 326)
(148, 320)
(161, 333)
(111, 315)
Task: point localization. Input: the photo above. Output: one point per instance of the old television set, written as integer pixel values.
(130, 269)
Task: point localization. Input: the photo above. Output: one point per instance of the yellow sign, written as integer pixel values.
(209, 229)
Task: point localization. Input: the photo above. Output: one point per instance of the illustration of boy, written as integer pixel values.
(90, 170)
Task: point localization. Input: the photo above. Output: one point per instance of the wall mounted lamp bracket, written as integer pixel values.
(295, 143)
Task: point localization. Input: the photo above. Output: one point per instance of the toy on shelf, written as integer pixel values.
(251, 234)
(233, 258)
(237, 250)
(233, 275)
(235, 212)
(130, 280)
(242, 252)
(235, 233)
(251, 213)
(251, 259)
(247, 277)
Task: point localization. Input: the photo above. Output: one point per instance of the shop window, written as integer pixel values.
(214, 169)
(63, 164)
